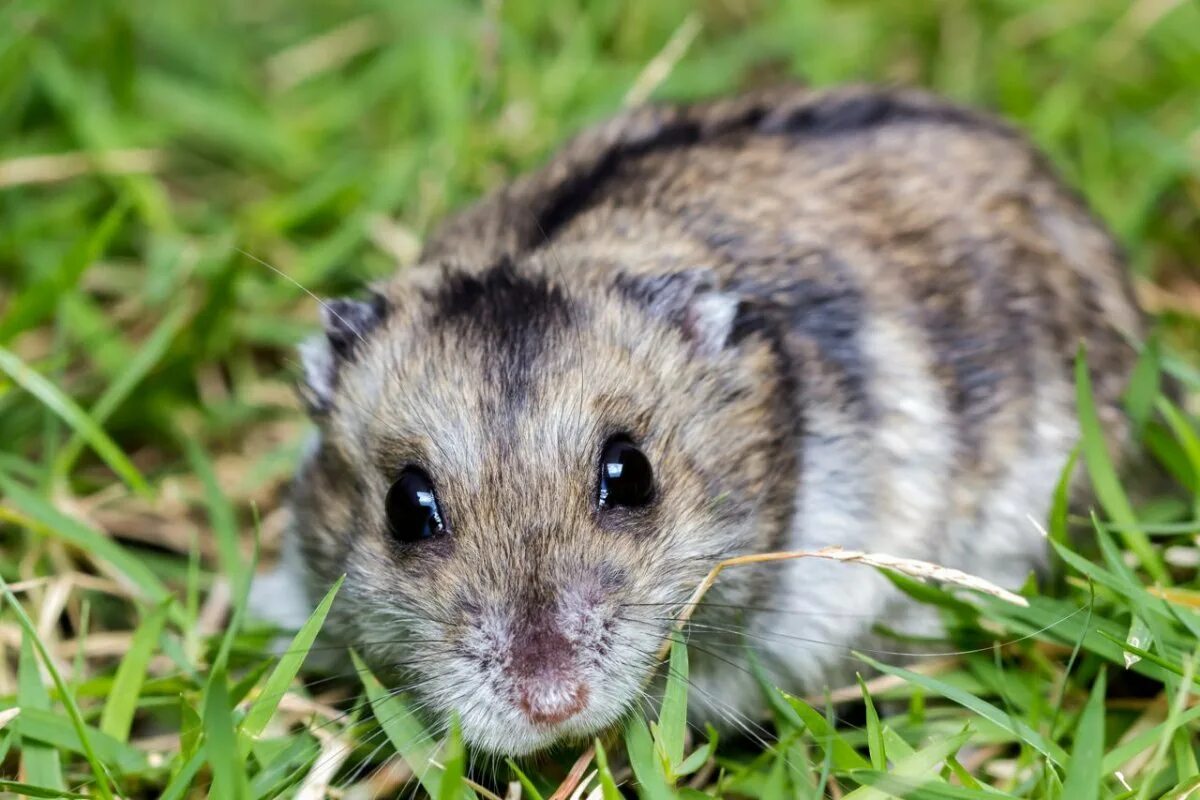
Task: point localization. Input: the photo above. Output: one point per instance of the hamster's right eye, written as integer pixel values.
(412, 507)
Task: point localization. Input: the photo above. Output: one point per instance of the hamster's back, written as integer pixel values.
(927, 276)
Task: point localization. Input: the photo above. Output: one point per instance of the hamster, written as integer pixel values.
(780, 321)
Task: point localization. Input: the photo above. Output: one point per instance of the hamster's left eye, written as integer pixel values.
(412, 507)
(625, 475)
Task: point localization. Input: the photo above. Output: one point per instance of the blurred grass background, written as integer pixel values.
(152, 154)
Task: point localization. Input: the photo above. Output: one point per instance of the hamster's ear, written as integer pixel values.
(347, 324)
(690, 299)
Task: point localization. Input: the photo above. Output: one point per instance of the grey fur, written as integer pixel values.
(828, 317)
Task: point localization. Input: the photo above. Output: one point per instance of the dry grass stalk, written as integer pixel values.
(659, 67)
(914, 568)
(27, 170)
(324, 53)
(334, 752)
(575, 776)
(8, 715)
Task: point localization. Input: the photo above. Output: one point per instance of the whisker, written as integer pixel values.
(328, 308)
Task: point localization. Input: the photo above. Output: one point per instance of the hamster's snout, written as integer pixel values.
(544, 671)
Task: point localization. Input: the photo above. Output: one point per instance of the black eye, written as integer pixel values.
(412, 507)
(625, 476)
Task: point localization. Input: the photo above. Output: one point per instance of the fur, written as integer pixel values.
(828, 317)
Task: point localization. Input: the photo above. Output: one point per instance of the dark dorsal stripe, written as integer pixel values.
(816, 115)
(510, 315)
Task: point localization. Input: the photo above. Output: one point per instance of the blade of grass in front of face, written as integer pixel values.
(453, 764)
(1084, 776)
(652, 784)
(40, 761)
(1104, 476)
(608, 784)
(406, 733)
(68, 700)
(74, 416)
(672, 717)
(288, 666)
(1021, 731)
(117, 717)
(698, 757)
(526, 782)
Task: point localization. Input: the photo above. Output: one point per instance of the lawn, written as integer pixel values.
(156, 157)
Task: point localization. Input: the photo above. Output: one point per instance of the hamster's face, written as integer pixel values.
(522, 482)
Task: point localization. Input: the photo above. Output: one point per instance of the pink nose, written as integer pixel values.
(552, 702)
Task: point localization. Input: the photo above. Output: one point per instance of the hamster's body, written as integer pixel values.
(839, 317)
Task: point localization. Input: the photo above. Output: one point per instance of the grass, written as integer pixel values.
(152, 153)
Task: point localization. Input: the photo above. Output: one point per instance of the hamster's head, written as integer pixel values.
(524, 479)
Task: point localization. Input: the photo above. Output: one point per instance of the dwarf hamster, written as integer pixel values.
(784, 320)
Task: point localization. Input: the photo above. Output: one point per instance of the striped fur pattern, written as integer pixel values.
(828, 317)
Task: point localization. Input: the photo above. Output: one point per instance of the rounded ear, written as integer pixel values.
(689, 299)
(346, 323)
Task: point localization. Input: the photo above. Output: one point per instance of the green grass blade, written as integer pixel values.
(917, 765)
(229, 777)
(608, 784)
(404, 731)
(117, 717)
(50, 727)
(672, 718)
(54, 523)
(39, 300)
(918, 789)
(652, 784)
(875, 744)
(177, 788)
(1143, 385)
(42, 765)
(1084, 773)
(74, 416)
(149, 353)
(1104, 476)
(220, 512)
(1060, 506)
(1016, 727)
(1189, 440)
(285, 671)
(527, 784)
(454, 764)
(30, 790)
(220, 734)
(844, 757)
(103, 787)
